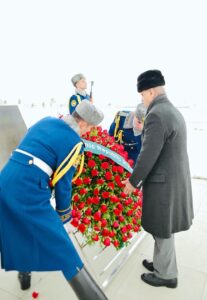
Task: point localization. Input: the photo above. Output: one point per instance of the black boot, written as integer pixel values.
(25, 280)
(85, 287)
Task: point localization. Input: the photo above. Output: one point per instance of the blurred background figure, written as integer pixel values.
(80, 84)
(127, 129)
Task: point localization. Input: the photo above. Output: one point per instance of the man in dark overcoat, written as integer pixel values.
(162, 168)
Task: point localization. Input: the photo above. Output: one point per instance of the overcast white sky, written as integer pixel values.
(44, 42)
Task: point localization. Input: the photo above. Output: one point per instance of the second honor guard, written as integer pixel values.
(80, 84)
(127, 129)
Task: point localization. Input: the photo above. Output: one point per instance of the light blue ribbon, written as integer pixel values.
(99, 149)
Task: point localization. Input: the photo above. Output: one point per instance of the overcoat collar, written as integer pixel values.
(159, 99)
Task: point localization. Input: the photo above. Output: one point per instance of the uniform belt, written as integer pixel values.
(133, 144)
(37, 162)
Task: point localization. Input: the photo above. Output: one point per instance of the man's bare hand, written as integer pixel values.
(128, 187)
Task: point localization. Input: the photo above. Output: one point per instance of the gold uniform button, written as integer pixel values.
(30, 162)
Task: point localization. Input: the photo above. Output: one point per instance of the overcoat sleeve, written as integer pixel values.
(152, 144)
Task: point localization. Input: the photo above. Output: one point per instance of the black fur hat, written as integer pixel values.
(149, 79)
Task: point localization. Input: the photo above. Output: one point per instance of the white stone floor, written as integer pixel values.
(191, 247)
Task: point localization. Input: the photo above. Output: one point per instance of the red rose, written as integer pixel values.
(130, 212)
(111, 185)
(94, 173)
(120, 169)
(95, 237)
(116, 243)
(121, 218)
(103, 222)
(76, 198)
(136, 228)
(114, 169)
(123, 195)
(86, 180)
(86, 221)
(115, 224)
(82, 228)
(114, 199)
(95, 200)
(120, 206)
(105, 232)
(100, 181)
(107, 242)
(104, 165)
(81, 205)
(96, 191)
(105, 195)
(117, 212)
(97, 216)
(96, 228)
(108, 175)
(91, 163)
(75, 222)
(89, 154)
(73, 213)
(101, 156)
(124, 229)
(88, 211)
(78, 181)
(124, 238)
(112, 234)
(104, 208)
(83, 191)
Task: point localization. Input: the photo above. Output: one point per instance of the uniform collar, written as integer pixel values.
(81, 92)
(72, 123)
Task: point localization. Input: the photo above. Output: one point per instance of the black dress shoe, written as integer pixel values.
(25, 280)
(148, 265)
(152, 279)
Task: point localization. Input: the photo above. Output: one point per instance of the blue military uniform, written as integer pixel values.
(32, 236)
(125, 134)
(75, 100)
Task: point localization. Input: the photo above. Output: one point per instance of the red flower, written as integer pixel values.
(83, 191)
(94, 173)
(86, 221)
(105, 195)
(111, 185)
(116, 243)
(103, 222)
(86, 180)
(104, 208)
(96, 191)
(102, 212)
(95, 237)
(107, 242)
(76, 198)
(105, 232)
(78, 181)
(100, 181)
(89, 154)
(75, 222)
(97, 216)
(117, 211)
(91, 163)
(88, 211)
(82, 228)
(115, 224)
(104, 165)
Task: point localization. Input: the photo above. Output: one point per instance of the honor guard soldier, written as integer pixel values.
(127, 128)
(80, 84)
(32, 235)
